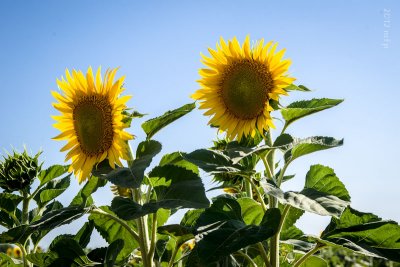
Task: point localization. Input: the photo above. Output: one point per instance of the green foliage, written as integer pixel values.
(152, 126)
(365, 233)
(253, 225)
(300, 109)
(111, 231)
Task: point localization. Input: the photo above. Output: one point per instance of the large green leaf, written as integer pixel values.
(51, 173)
(69, 253)
(178, 187)
(132, 177)
(7, 261)
(58, 217)
(145, 153)
(53, 189)
(112, 252)
(222, 231)
(18, 234)
(289, 230)
(212, 161)
(365, 233)
(301, 147)
(178, 159)
(9, 202)
(84, 234)
(175, 187)
(324, 179)
(308, 199)
(300, 109)
(252, 212)
(152, 126)
(91, 186)
(111, 231)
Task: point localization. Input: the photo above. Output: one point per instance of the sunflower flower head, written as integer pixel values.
(239, 83)
(91, 120)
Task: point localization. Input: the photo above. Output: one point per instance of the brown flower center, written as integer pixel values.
(244, 88)
(93, 124)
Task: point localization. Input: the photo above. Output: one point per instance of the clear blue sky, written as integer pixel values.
(337, 49)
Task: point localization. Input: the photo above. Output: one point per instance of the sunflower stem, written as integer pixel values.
(264, 254)
(247, 186)
(153, 238)
(274, 243)
(143, 236)
(24, 259)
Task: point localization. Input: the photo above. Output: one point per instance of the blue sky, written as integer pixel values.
(340, 49)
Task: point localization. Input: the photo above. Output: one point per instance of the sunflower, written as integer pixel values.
(91, 120)
(239, 84)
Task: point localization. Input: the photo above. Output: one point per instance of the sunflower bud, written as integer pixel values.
(17, 171)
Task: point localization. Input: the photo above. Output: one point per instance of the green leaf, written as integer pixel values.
(6, 219)
(69, 253)
(132, 177)
(127, 209)
(294, 87)
(308, 199)
(58, 217)
(51, 173)
(7, 261)
(177, 187)
(283, 140)
(42, 259)
(364, 233)
(225, 237)
(292, 216)
(324, 179)
(9, 202)
(252, 212)
(301, 147)
(18, 234)
(122, 177)
(112, 252)
(212, 161)
(152, 126)
(83, 235)
(111, 230)
(53, 189)
(145, 153)
(88, 189)
(300, 109)
(177, 159)
(222, 209)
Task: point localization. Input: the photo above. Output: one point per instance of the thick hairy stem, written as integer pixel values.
(274, 244)
(153, 237)
(247, 186)
(308, 254)
(264, 254)
(142, 230)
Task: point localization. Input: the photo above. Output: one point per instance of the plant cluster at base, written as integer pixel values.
(252, 223)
